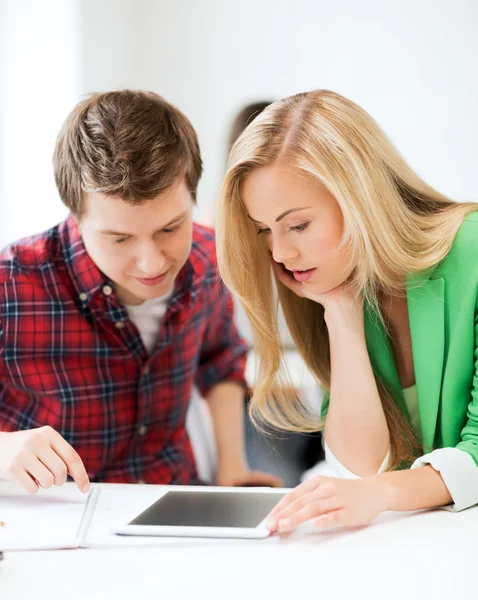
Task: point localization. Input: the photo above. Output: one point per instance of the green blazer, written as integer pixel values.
(443, 314)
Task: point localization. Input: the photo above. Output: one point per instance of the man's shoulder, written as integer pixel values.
(27, 257)
(204, 236)
(203, 251)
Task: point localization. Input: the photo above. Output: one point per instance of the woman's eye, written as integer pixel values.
(120, 240)
(301, 227)
(265, 230)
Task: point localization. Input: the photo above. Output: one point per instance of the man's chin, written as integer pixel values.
(153, 292)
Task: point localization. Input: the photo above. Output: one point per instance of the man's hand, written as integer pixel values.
(40, 458)
(329, 502)
(245, 477)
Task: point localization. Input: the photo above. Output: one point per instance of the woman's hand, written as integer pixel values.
(340, 297)
(330, 502)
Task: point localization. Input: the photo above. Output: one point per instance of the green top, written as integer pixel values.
(443, 315)
(411, 400)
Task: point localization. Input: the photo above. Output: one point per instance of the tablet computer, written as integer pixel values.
(227, 513)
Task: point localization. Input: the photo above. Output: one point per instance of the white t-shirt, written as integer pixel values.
(147, 317)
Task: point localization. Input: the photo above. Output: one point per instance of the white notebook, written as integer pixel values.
(48, 520)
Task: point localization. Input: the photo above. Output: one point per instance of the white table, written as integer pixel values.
(401, 556)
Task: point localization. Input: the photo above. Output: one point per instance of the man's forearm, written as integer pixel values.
(226, 403)
(356, 429)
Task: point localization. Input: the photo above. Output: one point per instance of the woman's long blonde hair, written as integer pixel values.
(394, 224)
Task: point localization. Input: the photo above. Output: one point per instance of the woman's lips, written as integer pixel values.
(150, 281)
(303, 275)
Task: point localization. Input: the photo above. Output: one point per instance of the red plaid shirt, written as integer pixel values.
(71, 358)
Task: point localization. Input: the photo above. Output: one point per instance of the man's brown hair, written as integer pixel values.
(130, 144)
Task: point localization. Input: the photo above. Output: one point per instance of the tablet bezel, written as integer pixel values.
(258, 532)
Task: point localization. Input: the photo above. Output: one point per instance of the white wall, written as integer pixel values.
(410, 63)
(39, 83)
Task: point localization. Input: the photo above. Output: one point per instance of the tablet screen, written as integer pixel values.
(209, 509)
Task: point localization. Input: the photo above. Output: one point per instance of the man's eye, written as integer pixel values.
(301, 227)
(171, 229)
(265, 230)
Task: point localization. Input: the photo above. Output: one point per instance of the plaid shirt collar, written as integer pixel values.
(89, 280)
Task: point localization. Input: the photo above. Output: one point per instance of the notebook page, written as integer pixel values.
(50, 519)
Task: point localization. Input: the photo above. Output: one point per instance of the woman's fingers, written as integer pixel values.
(304, 488)
(301, 490)
(310, 510)
(335, 518)
(320, 493)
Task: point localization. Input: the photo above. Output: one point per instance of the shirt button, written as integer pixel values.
(142, 429)
(83, 296)
(119, 324)
(146, 370)
(107, 290)
(141, 481)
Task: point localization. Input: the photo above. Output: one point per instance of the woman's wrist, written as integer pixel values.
(412, 489)
(344, 316)
(385, 490)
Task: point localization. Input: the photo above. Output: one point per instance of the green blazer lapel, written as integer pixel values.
(426, 313)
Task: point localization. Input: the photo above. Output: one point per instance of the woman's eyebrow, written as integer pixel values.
(282, 215)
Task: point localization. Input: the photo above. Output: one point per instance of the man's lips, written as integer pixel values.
(150, 281)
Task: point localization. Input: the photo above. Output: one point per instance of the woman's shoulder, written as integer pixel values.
(467, 235)
(471, 219)
(464, 250)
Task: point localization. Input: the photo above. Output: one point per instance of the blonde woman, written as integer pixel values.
(377, 274)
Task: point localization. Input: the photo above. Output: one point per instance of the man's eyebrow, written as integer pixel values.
(284, 214)
(124, 234)
(113, 232)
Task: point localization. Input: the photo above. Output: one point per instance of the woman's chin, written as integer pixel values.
(322, 288)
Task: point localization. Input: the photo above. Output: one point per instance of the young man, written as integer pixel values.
(108, 320)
